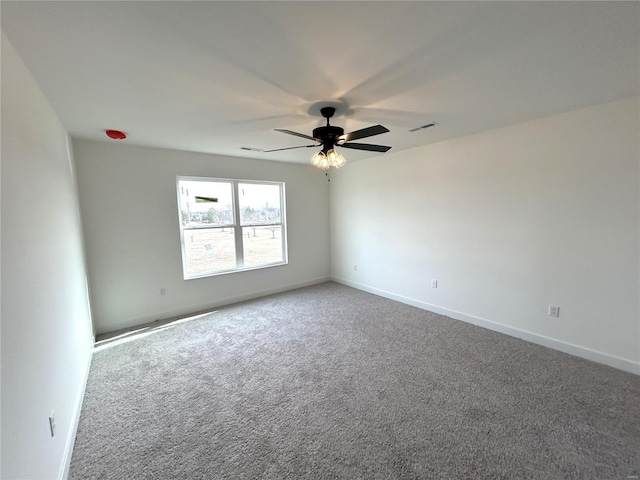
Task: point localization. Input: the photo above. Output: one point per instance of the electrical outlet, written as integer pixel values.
(554, 311)
(434, 283)
(163, 291)
(52, 423)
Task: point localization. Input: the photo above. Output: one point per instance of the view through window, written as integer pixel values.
(229, 225)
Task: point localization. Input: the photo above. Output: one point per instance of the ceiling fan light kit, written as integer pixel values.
(328, 160)
(330, 136)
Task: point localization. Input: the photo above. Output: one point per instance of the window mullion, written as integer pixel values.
(238, 227)
(283, 215)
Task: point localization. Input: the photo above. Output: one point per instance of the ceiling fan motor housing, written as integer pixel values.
(328, 136)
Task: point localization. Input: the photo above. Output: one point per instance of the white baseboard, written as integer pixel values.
(77, 410)
(167, 314)
(571, 349)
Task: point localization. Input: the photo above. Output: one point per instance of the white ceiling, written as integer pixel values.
(216, 76)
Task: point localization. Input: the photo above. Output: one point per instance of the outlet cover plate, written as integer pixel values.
(554, 311)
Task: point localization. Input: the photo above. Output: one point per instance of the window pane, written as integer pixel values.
(262, 245)
(205, 203)
(209, 250)
(259, 204)
(216, 238)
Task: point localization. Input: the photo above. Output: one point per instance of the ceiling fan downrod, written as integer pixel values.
(327, 112)
(329, 133)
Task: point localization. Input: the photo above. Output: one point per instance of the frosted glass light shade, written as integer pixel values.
(320, 160)
(331, 159)
(335, 159)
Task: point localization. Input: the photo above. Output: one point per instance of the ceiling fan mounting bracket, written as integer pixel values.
(327, 112)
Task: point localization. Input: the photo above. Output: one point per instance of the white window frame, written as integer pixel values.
(236, 225)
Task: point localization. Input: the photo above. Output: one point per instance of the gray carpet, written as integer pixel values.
(331, 382)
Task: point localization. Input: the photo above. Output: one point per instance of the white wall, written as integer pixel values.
(46, 328)
(508, 221)
(128, 199)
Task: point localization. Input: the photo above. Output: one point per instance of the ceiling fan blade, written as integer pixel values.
(290, 148)
(366, 146)
(297, 134)
(365, 132)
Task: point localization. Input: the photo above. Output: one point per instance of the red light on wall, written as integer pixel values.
(116, 134)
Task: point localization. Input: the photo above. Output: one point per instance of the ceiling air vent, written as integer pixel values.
(428, 125)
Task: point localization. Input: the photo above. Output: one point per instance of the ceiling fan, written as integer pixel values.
(330, 136)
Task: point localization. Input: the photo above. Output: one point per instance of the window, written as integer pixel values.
(230, 225)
